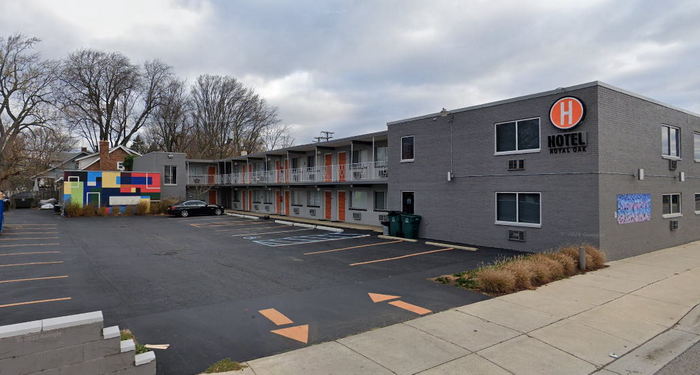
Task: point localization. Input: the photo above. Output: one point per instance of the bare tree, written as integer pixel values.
(25, 98)
(106, 97)
(170, 125)
(276, 136)
(228, 117)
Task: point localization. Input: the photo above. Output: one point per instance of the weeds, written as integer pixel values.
(224, 365)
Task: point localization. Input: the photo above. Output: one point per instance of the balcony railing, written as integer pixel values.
(371, 171)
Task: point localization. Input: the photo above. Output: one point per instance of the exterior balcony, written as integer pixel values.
(329, 174)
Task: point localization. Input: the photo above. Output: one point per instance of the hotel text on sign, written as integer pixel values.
(566, 113)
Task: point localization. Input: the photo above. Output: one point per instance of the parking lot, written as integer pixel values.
(217, 287)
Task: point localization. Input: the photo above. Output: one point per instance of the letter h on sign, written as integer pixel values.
(566, 113)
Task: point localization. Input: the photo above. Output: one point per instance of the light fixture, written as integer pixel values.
(170, 156)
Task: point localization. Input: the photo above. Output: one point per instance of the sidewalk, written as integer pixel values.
(641, 306)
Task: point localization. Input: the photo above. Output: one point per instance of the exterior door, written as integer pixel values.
(277, 171)
(328, 168)
(278, 202)
(328, 205)
(244, 200)
(342, 160)
(341, 205)
(93, 199)
(212, 196)
(408, 203)
(286, 202)
(250, 200)
(211, 174)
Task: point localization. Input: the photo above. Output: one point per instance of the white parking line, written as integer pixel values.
(264, 233)
(300, 240)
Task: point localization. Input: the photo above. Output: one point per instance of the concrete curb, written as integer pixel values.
(283, 222)
(385, 237)
(330, 229)
(440, 244)
(243, 216)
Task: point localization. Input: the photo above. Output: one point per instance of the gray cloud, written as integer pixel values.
(350, 66)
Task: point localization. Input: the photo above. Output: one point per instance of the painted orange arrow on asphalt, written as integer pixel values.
(276, 317)
(409, 307)
(298, 333)
(376, 297)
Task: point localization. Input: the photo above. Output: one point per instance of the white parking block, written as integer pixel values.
(72, 320)
(330, 229)
(110, 332)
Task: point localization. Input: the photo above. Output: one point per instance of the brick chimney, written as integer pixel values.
(106, 163)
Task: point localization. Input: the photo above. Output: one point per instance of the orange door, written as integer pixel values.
(329, 205)
(250, 200)
(210, 176)
(286, 203)
(278, 202)
(328, 163)
(212, 196)
(341, 205)
(342, 159)
(244, 201)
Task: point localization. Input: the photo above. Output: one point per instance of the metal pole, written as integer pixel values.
(581, 258)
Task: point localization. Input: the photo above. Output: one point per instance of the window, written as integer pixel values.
(697, 203)
(358, 200)
(296, 198)
(671, 204)
(258, 196)
(170, 175)
(313, 198)
(311, 161)
(696, 141)
(670, 141)
(268, 197)
(407, 152)
(518, 136)
(237, 196)
(381, 155)
(295, 163)
(518, 209)
(380, 200)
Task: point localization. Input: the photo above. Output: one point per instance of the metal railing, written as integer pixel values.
(370, 171)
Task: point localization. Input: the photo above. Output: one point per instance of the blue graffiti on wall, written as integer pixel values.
(633, 208)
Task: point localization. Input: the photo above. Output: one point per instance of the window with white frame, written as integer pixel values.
(170, 175)
(670, 141)
(518, 136)
(522, 209)
(296, 198)
(696, 144)
(671, 204)
(358, 200)
(407, 148)
(313, 198)
(380, 201)
(268, 197)
(697, 203)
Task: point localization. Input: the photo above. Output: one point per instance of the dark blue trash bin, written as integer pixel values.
(2, 212)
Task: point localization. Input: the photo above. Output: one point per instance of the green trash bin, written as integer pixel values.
(409, 225)
(394, 223)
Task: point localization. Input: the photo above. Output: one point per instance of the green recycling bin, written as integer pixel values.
(394, 223)
(409, 225)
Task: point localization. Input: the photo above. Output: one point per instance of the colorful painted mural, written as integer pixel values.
(110, 188)
(633, 208)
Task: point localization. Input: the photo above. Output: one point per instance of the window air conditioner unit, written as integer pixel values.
(674, 224)
(516, 235)
(312, 212)
(672, 165)
(295, 210)
(256, 207)
(357, 216)
(267, 208)
(383, 218)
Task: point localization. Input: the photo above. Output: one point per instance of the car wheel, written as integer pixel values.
(184, 213)
(217, 212)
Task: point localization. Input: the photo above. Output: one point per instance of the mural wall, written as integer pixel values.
(633, 208)
(110, 188)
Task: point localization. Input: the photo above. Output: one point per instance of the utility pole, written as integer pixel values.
(324, 137)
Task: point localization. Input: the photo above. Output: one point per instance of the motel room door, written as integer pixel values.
(287, 199)
(342, 159)
(212, 196)
(407, 202)
(328, 205)
(328, 168)
(279, 201)
(211, 174)
(341, 206)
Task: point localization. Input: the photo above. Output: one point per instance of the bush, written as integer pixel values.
(224, 365)
(597, 260)
(554, 268)
(568, 264)
(142, 208)
(129, 211)
(523, 274)
(73, 210)
(496, 280)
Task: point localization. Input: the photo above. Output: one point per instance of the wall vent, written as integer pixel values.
(383, 218)
(672, 165)
(516, 235)
(295, 210)
(516, 165)
(256, 207)
(674, 224)
(312, 212)
(357, 216)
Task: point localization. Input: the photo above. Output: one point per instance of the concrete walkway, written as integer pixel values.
(632, 317)
(336, 224)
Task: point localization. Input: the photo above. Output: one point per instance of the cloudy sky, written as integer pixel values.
(351, 66)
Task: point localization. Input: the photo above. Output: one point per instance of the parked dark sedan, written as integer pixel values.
(195, 207)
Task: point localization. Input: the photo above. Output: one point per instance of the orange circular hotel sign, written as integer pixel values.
(566, 113)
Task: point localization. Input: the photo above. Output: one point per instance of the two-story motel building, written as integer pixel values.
(588, 163)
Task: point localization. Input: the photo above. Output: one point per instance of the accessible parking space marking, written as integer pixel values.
(35, 302)
(273, 232)
(300, 240)
(402, 256)
(351, 247)
(33, 279)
